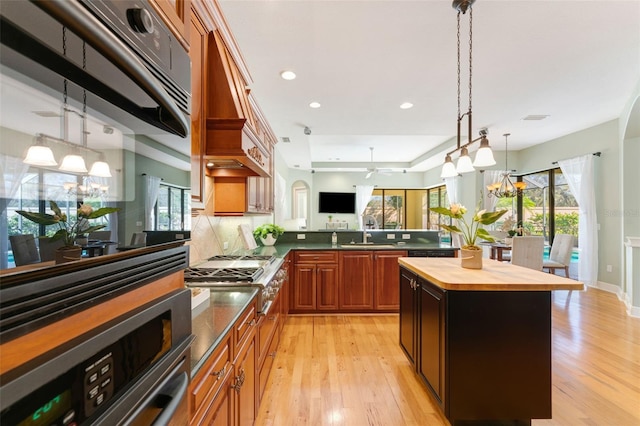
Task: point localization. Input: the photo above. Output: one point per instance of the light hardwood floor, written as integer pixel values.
(350, 370)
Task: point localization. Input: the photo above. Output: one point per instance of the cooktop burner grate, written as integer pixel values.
(231, 275)
(242, 257)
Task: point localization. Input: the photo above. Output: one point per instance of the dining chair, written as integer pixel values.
(48, 248)
(25, 251)
(528, 252)
(101, 236)
(560, 254)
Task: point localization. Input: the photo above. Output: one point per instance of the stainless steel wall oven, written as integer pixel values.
(133, 370)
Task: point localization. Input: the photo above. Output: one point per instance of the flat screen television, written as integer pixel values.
(337, 202)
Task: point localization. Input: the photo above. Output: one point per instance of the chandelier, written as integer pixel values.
(505, 188)
(484, 156)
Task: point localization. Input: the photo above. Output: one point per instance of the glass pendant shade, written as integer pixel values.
(100, 169)
(40, 155)
(448, 169)
(484, 156)
(73, 163)
(464, 162)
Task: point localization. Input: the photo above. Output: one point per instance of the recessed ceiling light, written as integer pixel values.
(315, 105)
(406, 105)
(288, 75)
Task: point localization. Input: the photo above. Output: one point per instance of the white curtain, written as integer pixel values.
(580, 177)
(281, 208)
(453, 189)
(153, 188)
(490, 176)
(363, 196)
(12, 171)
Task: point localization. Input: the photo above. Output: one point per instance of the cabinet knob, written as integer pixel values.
(219, 374)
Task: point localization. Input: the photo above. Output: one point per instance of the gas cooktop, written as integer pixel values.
(229, 269)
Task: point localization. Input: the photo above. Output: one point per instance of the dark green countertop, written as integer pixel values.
(213, 319)
(281, 250)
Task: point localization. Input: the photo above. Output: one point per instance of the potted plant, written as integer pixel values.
(69, 230)
(268, 233)
(471, 253)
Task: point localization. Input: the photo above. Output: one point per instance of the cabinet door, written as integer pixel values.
(386, 273)
(303, 296)
(198, 52)
(244, 386)
(327, 287)
(408, 301)
(431, 364)
(356, 280)
(221, 411)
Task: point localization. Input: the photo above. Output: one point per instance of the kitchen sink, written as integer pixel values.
(366, 245)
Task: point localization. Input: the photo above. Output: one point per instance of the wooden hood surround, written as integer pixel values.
(236, 141)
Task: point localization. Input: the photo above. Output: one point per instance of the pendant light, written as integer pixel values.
(505, 188)
(484, 156)
(40, 155)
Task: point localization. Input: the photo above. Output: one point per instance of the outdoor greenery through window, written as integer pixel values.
(404, 208)
(172, 209)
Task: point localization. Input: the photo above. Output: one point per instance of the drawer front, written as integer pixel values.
(316, 257)
(206, 385)
(268, 325)
(243, 328)
(266, 366)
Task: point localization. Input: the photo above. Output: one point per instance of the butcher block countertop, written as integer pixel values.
(447, 274)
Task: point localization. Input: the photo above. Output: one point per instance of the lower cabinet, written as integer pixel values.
(484, 356)
(356, 281)
(386, 289)
(223, 392)
(315, 281)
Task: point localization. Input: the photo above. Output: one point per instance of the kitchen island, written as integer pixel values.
(480, 339)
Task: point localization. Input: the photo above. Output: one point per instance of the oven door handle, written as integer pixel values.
(74, 16)
(174, 392)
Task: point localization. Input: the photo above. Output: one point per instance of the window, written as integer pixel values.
(404, 208)
(547, 206)
(172, 209)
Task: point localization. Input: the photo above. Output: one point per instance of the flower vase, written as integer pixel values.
(68, 254)
(471, 259)
(269, 240)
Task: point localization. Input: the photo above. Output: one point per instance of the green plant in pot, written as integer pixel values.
(268, 233)
(69, 230)
(471, 231)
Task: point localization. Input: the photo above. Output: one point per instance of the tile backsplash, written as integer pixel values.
(210, 233)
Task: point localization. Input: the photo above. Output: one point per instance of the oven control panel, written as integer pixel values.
(98, 383)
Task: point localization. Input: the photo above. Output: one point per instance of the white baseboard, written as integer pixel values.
(632, 311)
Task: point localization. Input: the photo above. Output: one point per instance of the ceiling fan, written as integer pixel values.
(373, 169)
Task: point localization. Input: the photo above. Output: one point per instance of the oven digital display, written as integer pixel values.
(50, 411)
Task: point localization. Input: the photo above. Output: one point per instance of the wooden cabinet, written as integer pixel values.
(268, 338)
(223, 392)
(408, 313)
(431, 364)
(356, 280)
(175, 13)
(386, 288)
(315, 283)
(198, 54)
(259, 194)
(484, 356)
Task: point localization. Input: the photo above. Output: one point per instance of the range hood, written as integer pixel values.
(235, 144)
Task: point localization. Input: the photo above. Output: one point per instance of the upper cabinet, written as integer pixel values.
(175, 13)
(232, 143)
(198, 35)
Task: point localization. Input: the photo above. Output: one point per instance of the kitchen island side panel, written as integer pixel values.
(498, 355)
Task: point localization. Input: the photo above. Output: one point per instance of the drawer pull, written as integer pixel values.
(219, 374)
(272, 354)
(252, 322)
(239, 381)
